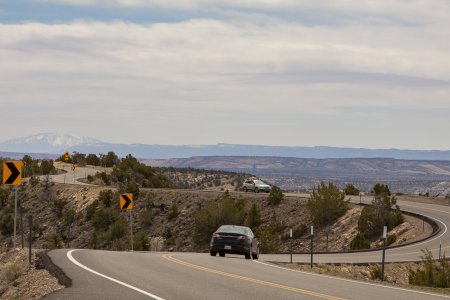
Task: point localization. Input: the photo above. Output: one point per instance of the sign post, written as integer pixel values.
(12, 175)
(74, 167)
(312, 244)
(384, 251)
(126, 203)
(66, 156)
(30, 237)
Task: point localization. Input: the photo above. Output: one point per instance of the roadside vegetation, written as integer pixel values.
(326, 204)
(377, 215)
(431, 272)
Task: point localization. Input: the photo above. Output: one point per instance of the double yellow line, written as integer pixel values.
(248, 279)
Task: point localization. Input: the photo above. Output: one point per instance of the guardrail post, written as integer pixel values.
(290, 240)
(312, 245)
(384, 252)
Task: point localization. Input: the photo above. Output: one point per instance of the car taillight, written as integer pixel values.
(216, 236)
(243, 237)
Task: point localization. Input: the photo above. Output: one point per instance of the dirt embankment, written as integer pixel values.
(21, 280)
(150, 216)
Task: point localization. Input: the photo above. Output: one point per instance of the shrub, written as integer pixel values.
(326, 204)
(69, 217)
(381, 190)
(7, 223)
(172, 212)
(432, 274)
(53, 241)
(368, 225)
(375, 273)
(359, 242)
(58, 206)
(103, 218)
(275, 196)
(119, 229)
(396, 218)
(299, 231)
(350, 189)
(226, 211)
(253, 219)
(90, 210)
(269, 241)
(106, 197)
(391, 238)
(141, 241)
(13, 272)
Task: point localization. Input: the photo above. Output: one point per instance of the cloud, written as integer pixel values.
(203, 74)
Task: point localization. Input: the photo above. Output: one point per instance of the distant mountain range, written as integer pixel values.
(54, 143)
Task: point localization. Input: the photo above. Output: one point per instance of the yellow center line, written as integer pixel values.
(257, 281)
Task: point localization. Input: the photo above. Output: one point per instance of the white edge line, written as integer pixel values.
(73, 260)
(427, 240)
(354, 281)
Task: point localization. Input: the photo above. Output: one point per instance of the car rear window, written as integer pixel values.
(232, 229)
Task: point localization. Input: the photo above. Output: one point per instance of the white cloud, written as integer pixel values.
(191, 75)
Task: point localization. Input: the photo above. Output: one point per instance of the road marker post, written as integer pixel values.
(312, 244)
(126, 202)
(384, 252)
(290, 239)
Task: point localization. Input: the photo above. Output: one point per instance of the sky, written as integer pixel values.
(348, 73)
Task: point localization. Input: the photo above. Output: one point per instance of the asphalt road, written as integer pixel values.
(71, 177)
(126, 275)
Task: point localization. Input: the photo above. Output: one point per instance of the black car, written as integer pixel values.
(234, 240)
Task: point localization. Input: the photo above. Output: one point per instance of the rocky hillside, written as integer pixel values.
(164, 219)
(201, 179)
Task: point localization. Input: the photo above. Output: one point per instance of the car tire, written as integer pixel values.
(256, 190)
(245, 189)
(256, 255)
(212, 253)
(249, 254)
(221, 254)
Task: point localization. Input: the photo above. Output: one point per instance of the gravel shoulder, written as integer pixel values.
(396, 274)
(19, 280)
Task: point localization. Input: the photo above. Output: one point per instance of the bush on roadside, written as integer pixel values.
(173, 212)
(141, 241)
(253, 219)
(13, 272)
(225, 211)
(391, 238)
(275, 196)
(359, 242)
(53, 241)
(269, 242)
(375, 273)
(326, 204)
(351, 190)
(432, 273)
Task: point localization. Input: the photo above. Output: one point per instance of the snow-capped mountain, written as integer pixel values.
(46, 143)
(56, 143)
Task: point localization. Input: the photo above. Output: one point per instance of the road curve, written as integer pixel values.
(127, 275)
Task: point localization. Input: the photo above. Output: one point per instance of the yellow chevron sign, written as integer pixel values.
(126, 201)
(12, 172)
